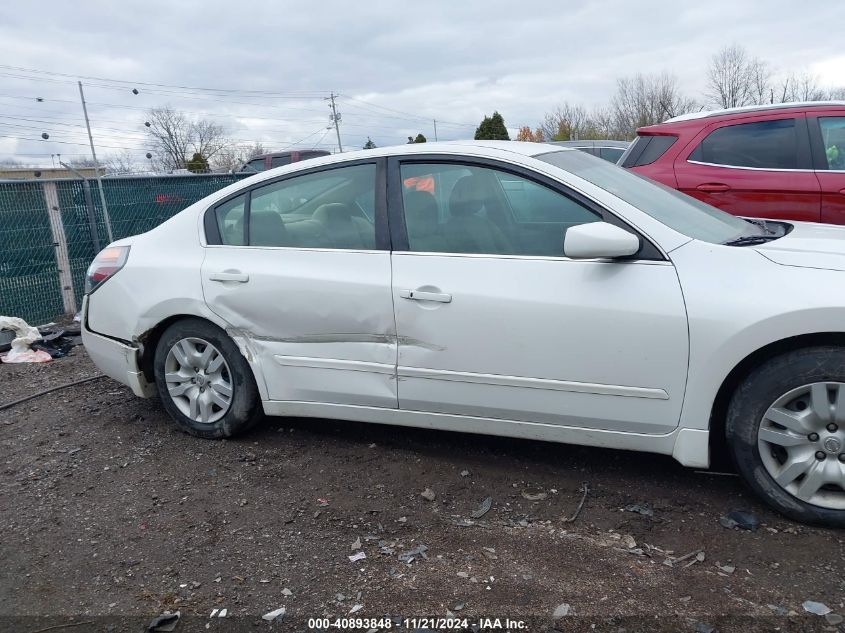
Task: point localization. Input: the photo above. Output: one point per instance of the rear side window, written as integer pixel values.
(833, 137)
(647, 149)
(764, 145)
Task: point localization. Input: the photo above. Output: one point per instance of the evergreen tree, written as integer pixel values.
(419, 139)
(492, 129)
(369, 144)
(198, 164)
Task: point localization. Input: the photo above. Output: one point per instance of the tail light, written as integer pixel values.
(105, 264)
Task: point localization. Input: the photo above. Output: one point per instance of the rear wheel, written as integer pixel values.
(204, 381)
(786, 432)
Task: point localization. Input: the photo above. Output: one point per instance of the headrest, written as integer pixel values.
(467, 196)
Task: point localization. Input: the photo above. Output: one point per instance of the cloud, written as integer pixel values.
(397, 66)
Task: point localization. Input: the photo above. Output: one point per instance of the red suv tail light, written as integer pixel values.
(105, 265)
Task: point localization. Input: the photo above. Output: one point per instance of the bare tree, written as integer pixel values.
(233, 156)
(564, 122)
(121, 163)
(176, 138)
(802, 86)
(645, 100)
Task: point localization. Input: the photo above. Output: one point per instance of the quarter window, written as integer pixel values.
(230, 221)
(764, 145)
(451, 208)
(833, 138)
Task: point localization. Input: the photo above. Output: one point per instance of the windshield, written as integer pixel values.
(674, 209)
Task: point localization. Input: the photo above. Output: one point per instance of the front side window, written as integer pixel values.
(764, 145)
(454, 208)
(327, 209)
(833, 138)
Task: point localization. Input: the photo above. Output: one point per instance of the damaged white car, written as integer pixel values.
(514, 289)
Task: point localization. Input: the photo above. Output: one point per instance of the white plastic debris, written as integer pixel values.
(26, 335)
(356, 608)
(357, 557)
(272, 615)
(561, 611)
(222, 613)
(819, 608)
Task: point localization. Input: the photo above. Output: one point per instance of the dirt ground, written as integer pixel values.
(110, 516)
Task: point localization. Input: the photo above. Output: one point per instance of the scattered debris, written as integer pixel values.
(287, 592)
(464, 473)
(561, 611)
(703, 627)
(776, 609)
(580, 505)
(356, 557)
(356, 608)
(273, 615)
(742, 519)
(356, 544)
(534, 494)
(640, 509)
(410, 555)
(322, 503)
(463, 574)
(834, 618)
(428, 494)
(25, 336)
(165, 622)
(728, 569)
(223, 613)
(819, 608)
(483, 509)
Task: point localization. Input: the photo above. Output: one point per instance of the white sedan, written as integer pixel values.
(513, 289)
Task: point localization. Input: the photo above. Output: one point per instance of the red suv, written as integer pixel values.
(784, 161)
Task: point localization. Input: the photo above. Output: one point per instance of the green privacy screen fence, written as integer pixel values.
(47, 240)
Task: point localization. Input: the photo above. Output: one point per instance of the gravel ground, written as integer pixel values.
(110, 516)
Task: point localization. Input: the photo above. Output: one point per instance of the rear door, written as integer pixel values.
(827, 133)
(753, 167)
(300, 268)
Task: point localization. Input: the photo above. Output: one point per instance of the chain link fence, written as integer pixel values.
(51, 230)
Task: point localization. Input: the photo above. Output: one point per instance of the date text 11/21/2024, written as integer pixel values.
(504, 625)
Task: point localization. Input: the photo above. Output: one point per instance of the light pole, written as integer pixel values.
(96, 166)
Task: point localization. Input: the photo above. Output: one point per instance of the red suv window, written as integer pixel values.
(763, 144)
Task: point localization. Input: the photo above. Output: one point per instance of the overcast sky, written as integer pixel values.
(396, 65)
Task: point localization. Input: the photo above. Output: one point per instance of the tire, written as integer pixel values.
(786, 434)
(205, 383)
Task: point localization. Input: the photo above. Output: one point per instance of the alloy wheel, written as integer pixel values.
(801, 439)
(198, 380)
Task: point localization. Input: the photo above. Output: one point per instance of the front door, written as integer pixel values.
(494, 322)
(828, 136)
(297, 274)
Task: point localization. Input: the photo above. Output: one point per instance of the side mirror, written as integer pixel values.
(596, 240)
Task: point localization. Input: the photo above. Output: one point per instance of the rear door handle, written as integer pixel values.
(420, 295)
(713, 187)
(229, 276)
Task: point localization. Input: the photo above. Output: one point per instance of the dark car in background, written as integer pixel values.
(280, 159)
(782, 161)
(608, 150)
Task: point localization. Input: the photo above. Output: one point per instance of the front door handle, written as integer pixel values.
(713, 187)
(229, 276)
(421, 295)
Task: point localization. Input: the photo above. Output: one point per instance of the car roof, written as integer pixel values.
(690, 116)
(592, 143)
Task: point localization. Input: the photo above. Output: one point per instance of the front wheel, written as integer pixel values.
(786, 432)
(204, 381)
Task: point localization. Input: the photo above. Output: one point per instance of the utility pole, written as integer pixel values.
(106, 218)
(335, 118)
(435, 129)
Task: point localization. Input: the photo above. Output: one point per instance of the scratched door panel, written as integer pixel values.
(319, 321)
